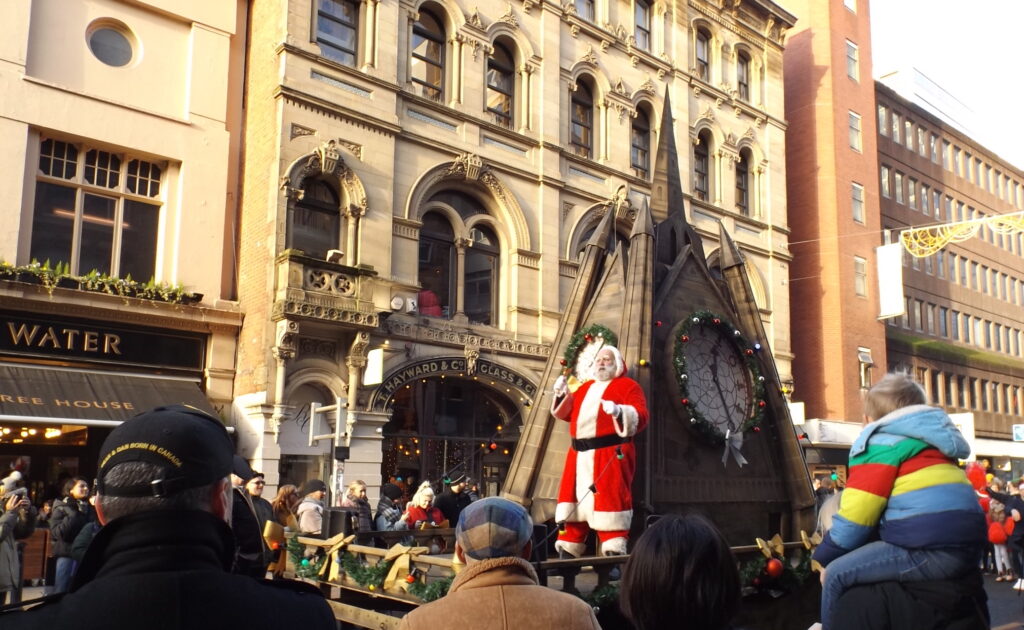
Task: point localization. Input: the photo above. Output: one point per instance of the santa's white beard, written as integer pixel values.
(604, 373)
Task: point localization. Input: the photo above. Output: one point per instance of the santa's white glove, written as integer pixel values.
(560, 386)
(611, 408)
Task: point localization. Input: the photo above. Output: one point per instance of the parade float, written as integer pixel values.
(720, 439)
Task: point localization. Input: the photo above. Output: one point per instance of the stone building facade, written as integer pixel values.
(119, 162)
(419, 178)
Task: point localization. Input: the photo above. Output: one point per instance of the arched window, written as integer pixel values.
(642, 20)
(701, 166)
(428, 56)
(481, 276)
(743, 183)
(581, 133)
(436, 266)
(315, 220)
(501, 85)
(703, 54)
(743, 76)
(640, 144)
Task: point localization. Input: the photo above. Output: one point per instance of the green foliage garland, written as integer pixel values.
(749, 353)
(429, 591)
(603, 596)
(369, 576)
(579, 339)
(753, 577)
(311, 569)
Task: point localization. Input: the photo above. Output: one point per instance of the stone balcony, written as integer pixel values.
(312, 289)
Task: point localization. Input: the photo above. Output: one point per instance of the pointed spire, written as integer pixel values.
(604, 229)
(644, 223)
(668, 190)
(729, 253)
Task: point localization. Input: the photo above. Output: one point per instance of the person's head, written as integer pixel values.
(357, 489)
(287, 498)
(76, 488)
(826, 483)
(608, 364)
(169, 458)
(493, 528)
(391, 491)
(314, 489)
(241, 471)
(255, 485)
(457, 483)
(424, 496)
(681, 574)
(895, 390)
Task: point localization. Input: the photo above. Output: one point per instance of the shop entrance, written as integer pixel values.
(446, 426)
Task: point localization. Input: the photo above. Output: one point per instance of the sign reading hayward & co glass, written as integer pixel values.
(444, 366)
(27, 335)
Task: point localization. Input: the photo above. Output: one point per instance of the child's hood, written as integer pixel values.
(921, 422)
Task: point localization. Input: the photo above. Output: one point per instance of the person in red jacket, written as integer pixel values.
(999, 529)
(421, 511)
(604, 415)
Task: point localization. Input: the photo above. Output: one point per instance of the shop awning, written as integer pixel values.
(38, 394)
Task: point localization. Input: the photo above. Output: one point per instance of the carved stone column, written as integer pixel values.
(356, 361)
(460, 275)
(353, 215)
(284, 349)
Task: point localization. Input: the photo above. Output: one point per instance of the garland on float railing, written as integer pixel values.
(582, 337)
(773, 571)
(305, 567)
(747, 350)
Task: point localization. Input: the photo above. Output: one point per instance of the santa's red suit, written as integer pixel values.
(592, 460)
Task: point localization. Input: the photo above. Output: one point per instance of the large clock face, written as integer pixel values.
(720, 384)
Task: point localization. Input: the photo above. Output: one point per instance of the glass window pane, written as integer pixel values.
(97, 240)
(314, 230)
(139, 231)
(481, 268)
(345, 11)
(435, 269)
(53, 223)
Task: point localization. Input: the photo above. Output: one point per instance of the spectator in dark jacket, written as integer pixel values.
(959, 604)
(264, 511)
(17, 521)
(253, 554)
(454, 499)
(68, 518)
(389, 514)
(163, 556)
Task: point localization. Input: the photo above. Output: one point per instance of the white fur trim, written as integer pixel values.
(614, 547)
(564, 512)
(611, 521)
(573, 549)
(590, 406)
(627, 422)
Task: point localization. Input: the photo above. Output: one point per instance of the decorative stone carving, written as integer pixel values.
(329, 282)
(355, 149)
(360, 345)
(284, 339)
(527, 5)
(312, 347)
(469, 165)
(569, 8)
(589, 56)
(510, 17)
(620, 87)
(328, 156)
(474, 19)
(472, 352)
(648, 86)
(299, 130)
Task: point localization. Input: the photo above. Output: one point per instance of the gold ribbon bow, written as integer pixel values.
(771, 547)
(403, 557)
(338, 544)
(810, 542)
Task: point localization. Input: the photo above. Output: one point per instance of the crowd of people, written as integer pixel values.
(175, 529)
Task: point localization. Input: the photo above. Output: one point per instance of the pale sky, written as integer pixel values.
(968, 49)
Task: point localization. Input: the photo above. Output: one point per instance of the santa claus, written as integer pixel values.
(603, 414)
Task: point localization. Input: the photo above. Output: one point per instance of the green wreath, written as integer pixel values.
(755, 576)
(747, 350)
(579, 339)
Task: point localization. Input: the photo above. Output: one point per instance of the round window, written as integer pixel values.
(111, 46)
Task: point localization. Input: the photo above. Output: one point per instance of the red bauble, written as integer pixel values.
(685, 401)
(563, 362)
(760, 403)
(588, 338)
(684, 338)
(717, 321)
(750, 352)
(657, 323)
(410, 578)
(773, 567)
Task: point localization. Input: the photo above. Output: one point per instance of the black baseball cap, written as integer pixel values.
(191, 446)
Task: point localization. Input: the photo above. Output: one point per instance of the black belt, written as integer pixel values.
(599, 442)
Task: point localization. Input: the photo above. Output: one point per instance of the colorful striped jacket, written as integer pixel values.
(905, 487)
